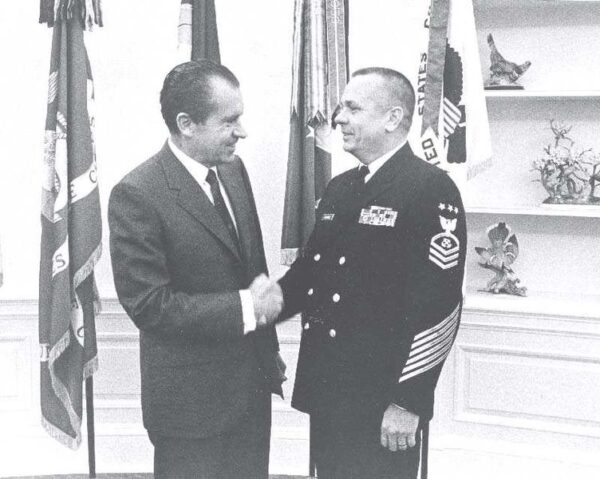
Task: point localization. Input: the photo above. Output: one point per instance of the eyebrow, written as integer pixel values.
(350, 103)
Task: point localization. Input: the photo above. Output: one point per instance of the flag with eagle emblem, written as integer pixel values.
(71, 224)
(433, 43)
(450, 127)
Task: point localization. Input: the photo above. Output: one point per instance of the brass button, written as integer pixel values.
(311, 291)
(342, 260)
(317, 257)
(332, 333)
(336, 298)
(307, 326)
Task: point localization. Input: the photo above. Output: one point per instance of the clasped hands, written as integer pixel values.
(268, 300)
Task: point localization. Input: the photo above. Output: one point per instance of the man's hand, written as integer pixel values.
(268, 300)
(398, 429)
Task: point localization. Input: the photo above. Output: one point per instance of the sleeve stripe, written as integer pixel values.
(429, 366)
(440, 325)
(432, 348)
(440, 352)
(433, 336)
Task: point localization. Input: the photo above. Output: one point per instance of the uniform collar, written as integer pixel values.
(375, 165)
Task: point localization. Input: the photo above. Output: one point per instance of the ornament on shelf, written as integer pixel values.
(569, 175)
(504, 74)
(499, 257)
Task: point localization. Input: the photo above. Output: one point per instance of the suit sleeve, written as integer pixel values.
(433, 298)
(142, 277)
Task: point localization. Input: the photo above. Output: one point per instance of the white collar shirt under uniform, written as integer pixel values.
(379, 162)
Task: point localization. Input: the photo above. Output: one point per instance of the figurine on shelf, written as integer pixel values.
(499, 257)
(504, 74)
(569, 176)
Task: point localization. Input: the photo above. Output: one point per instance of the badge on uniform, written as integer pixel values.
(443, 248)
(378, 216)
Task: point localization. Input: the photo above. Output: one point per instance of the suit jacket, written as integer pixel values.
(380, 284)
(177, 274)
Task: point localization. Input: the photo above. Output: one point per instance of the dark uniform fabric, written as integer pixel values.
(380, 286)
(177, 273)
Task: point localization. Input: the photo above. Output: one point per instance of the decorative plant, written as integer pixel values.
(569, 175)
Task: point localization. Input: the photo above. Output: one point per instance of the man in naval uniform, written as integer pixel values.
(380, 287)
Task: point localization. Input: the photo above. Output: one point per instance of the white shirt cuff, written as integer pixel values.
(247, 311)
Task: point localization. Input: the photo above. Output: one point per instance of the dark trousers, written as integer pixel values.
(240, 453)
(349, 448)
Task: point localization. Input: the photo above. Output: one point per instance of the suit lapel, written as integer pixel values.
(192, 199)
(231, 179)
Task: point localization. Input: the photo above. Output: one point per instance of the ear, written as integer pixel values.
(395, 116)
(184, 123)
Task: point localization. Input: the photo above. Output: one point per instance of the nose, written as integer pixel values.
(339, 116)
(240, 132)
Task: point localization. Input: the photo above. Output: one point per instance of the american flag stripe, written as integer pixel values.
(452, 116)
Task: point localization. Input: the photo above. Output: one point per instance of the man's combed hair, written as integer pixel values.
(187, 89)
(401, 90)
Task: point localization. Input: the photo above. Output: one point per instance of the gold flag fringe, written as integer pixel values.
(88, 11)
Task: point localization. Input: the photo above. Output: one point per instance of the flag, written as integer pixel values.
(71, 224)
(433, 43)
(197, 31)
(451, 127)
(319, 74)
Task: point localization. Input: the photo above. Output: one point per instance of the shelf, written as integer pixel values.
(543, 303)
(583, 211)
(543, 94)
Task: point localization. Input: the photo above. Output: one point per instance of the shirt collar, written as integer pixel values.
(379, 162)
(195, 168)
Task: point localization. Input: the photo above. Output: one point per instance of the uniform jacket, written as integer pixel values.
(380, 285)
(177, 274)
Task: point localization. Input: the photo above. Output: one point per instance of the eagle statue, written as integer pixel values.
(504, 74)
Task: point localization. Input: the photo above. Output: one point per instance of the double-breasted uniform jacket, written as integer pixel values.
(177, 273)
(380, 286)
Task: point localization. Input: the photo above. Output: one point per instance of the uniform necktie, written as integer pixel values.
(219, 202)
(359, 179)
(363, 171)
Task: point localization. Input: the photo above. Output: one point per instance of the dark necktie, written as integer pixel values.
(359, 179)
(219, 202)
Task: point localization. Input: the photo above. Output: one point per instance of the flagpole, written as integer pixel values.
(89, 409)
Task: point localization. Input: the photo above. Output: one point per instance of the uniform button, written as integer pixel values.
(336, 298)
(311, 291)
(332, 333)
(317, 257)
(307, 326)
(342, 260)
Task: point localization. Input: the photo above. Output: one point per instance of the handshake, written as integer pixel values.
(268, 300)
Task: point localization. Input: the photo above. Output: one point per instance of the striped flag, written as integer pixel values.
(71, 225)
(319, 75)
(197, 31)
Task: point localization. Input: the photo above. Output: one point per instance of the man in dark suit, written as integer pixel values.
(185, 246)
(380, 285)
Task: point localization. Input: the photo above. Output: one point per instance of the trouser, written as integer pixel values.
(347, 448)
(239, 453)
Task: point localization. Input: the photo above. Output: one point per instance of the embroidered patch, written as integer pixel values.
(378, 216)
(444, 247)
(328, 217)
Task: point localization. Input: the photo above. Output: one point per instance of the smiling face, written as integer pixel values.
(365, 117)
(213, 141)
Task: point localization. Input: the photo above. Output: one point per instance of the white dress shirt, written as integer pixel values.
(379, 162)
(199, 172)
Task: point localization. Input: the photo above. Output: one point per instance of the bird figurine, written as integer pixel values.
(504, 74)
(499, 257)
